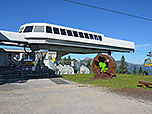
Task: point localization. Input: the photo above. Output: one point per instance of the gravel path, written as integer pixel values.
(43, 96)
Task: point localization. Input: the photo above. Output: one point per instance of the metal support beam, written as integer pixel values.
(109, 53)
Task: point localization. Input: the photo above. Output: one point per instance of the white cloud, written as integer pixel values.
(143, 45)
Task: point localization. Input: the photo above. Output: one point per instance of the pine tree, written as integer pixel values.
(65, 61)
(134, 70)
(140, 71)
(88, 65)
(117, 71)
(123, 67)
(146, 73)
(69, 60)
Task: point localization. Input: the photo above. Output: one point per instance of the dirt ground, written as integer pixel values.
(53, 96)
(138, 93)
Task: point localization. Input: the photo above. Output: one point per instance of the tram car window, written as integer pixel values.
(86, 35)
(63, 32)
(81, 35)
(96, 37)
(48, 29)
(100, 37)
(56, 30)
(28, 29)
(75, 33)
(39, 29)
(91, 36)
(69, 32)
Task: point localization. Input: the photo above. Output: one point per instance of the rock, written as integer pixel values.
(84, 70)
(49, 64)
(66, 69)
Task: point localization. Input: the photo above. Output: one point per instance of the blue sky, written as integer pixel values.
(14, 13)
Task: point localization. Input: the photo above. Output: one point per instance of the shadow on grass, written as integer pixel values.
(140, 86)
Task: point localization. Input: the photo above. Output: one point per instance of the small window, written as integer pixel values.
(100, 38)
(48, 29)
(91, 36)
(56, 30)
(86, 35)
(63, 32)
(28, 29)
(96, 37)
(81, 35)
(39, 29)
(75, 33)
(20, 30)
(69, 33)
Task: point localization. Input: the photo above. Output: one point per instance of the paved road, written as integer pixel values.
(45, 96)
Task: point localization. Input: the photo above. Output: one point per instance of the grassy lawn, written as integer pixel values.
(121, 81)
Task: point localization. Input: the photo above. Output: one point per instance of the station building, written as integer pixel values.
(7, 56)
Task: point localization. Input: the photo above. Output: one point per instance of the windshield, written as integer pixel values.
(28, 29)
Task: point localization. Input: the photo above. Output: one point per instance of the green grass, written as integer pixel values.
(121, 81)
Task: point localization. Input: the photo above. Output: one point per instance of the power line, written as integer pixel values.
(141, 51)
(118, 12)
(134, 53)
(109, 10)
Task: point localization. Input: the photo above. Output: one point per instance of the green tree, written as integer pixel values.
(140, 72)
(134, 70)
(69, 60)
(88, 65)
(123, 67)
(117, 71)
(65, 61)
(145, 73)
